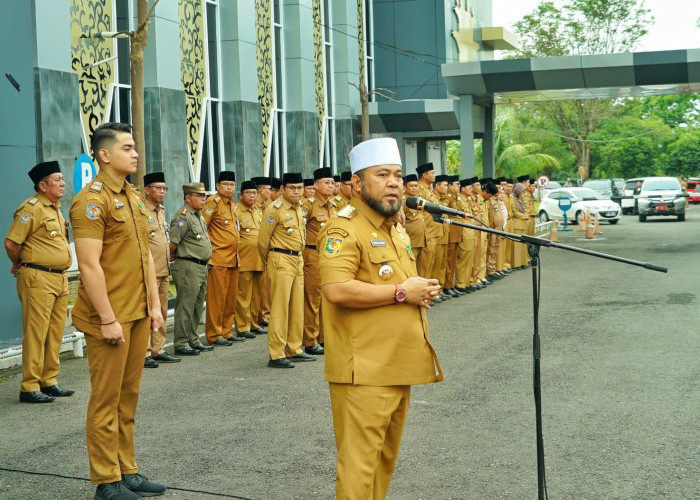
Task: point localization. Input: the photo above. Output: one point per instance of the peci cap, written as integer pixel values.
(323, 173)
(410, 178)
(261, 181)
(291, 178)
(152, 177)
(373, 152)
(42, 170)
(523, 178)
(452, 178)
(275, 183)
(226, 175)
(441, 178)
(193, 188)
(308, 182)
(248, 185)
(426, 167)
(345, 176)
(491, 188)
(336, 177)
(466, 182)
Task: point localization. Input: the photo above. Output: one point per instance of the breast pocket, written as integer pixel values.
(117, 228)
(384, 263)
(52, 228)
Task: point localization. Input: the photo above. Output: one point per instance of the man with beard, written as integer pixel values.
(374, 321)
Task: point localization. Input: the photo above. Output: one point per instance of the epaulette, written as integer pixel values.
(33, 201)
(333, 203)
(338, 197)
(311, 199)
(183, 211)
(96, 187)
(217, 199)
(278, 203)
(348, 211)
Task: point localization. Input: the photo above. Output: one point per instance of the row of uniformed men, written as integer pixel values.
(464, 260)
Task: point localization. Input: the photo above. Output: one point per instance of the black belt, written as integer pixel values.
(312, 247)
(285, 251)
(196, 261)
(42, 268)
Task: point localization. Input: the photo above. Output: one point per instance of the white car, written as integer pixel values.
(582, 200)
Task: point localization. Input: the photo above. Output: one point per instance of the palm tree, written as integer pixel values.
(521, 159)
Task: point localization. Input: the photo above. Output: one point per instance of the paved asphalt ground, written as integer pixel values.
(620, 378)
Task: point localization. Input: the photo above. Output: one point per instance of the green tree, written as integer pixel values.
(684, 154)
(521, 159)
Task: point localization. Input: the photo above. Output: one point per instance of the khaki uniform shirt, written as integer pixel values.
(376, 346)
(415, 225)
(249, 219)
(158, 238)
(282, 227)
(495, 214)
(529, 203)
(464, 204)
(39, 227)
(188, 231)
(340, 201)
(483, 210)
(117, 215)
(432, 229)
(444, 238)
(219, 214)
(317, 214)
(455, 232)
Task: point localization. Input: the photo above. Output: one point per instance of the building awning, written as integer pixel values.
(424, 115)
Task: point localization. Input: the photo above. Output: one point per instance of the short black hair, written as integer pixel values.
(106, 133)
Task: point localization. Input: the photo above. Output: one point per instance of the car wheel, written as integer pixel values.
(681, 217)
(577, 216)
(543, 216)
(642, 218)
(613, 222)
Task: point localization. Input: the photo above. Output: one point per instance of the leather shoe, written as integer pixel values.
(280, 363)
(314, 349)
(187, 351)
(246, 335)
(57, 391)
(235, 338)
(302, 356)
(35, 397)
(149, 362)
(114, 491)
(222, 341)
(260, 331)
(142, 486)
(203, 348)
(264, 324)
(463, 290)
(166, 358)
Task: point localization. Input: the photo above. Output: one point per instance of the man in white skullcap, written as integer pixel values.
(374, 322)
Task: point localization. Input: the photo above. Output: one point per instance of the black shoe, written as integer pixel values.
(448, 291)
(149, 362)
(463, 290)
(187, 351)
(246, 335)
(280, 363)
(57, 391)
(222, 341)
(264, 324)
(444, 296)
(114, 491)
(314, 349)
(142, 486)
(436, 301)
(204, 348)
(302, 357)
(236, 338)
(260, 331)
(166, 358)
(35, 397)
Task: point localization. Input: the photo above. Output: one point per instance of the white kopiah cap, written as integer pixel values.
(382, 151)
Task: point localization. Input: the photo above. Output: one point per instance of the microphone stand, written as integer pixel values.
(534, 245)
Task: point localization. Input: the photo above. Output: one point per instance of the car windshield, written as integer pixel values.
(661, 185)
(585, 194)
(598, 185)
(631, 184)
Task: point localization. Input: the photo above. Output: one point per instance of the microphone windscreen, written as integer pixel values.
(412, 202)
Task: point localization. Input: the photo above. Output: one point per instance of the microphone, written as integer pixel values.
(417, 203)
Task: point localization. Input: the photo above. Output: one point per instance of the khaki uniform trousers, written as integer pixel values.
(424, 261)
(508, 258)
(451, 264)
(501, 257)
(368, 423)
(439, 263)
(264, 315)
(286, 327)
(44, 298)
(190, 281)
(312, 298)
(465, 259)
(157, 340)
(249, 300)
(115, 376)
(492, 255)
(483, 256)
(479, 257)
(222, 296)
(520, 250)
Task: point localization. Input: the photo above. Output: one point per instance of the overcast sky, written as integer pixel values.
(673, 28)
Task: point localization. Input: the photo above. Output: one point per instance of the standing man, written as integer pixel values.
(275, 188)
(280, 245)
(155, 189)
(317, 211)
(191, 250)
(264, 187)
(415, 225)
(37, 245)
(374, 320)
(455, 238)
(465, 253)
(251, 266)
(309, 189)
(440, 260)
(222, 282)
(345, 193)
(433, 230)
(117, 308)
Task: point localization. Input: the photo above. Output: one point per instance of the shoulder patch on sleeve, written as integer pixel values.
(33, 201)
(338, 230)
(348, 211)
(278, 204)
(183, 211)
(25, 218)
(96, 187)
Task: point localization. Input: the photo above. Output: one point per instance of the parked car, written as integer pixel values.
(550, 186)
(628, 203)
(693, 190)
(604, 187)
(661, 196)
(583, 200)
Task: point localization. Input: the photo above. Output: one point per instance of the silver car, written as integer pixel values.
(661, 196)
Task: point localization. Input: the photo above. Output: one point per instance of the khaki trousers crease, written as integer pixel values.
(465, 260)
(492, 253)
(249, 300)
(368, 423)
(264, 315)
(312, 298)
(483, 256)
(451, 264)
(191, 284)
(508, 258)
(222, 296)
(286, 326)
(44, 299)
(424, 261)
(115, 377)
(439, 264)
(157, 339)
